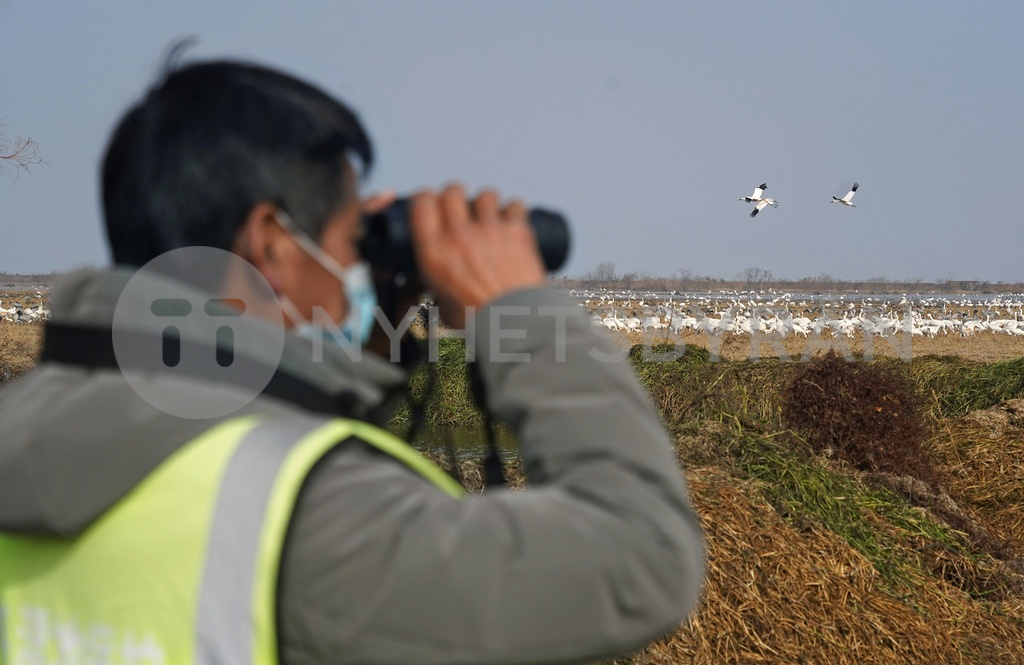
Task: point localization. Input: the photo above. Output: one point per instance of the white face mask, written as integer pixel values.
(359, 292)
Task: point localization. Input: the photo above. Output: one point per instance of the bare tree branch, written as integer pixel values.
(21, 155)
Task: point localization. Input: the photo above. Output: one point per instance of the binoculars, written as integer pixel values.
(387, 243)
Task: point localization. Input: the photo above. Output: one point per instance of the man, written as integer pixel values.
(165, 515)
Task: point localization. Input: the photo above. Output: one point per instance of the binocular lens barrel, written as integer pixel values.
(387, 243)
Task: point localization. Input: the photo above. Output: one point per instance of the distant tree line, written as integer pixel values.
(605, 276)
(10, 280)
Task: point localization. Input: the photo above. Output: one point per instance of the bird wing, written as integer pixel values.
(849, 194)
(759, 190)
(760, 206)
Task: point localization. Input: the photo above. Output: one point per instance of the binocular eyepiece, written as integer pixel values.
(387, 243)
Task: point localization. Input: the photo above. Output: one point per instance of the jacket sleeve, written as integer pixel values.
(600, 554)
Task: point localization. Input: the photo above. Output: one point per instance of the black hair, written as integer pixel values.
(209, 141)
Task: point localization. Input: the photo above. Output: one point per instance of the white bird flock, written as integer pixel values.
(28, 310)
(736, 312)
(785, 314)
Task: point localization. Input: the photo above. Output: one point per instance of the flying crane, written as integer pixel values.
(761, 202)
(846, 200)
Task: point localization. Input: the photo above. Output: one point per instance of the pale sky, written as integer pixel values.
(643, 122)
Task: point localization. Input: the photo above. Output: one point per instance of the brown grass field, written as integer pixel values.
(809, 559)
(981, 347)
(19, 347)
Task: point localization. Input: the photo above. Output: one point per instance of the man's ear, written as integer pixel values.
(262, 242)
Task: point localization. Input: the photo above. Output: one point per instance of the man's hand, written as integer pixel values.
(471, 253)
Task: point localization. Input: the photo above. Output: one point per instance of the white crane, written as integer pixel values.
(762, 204)
(759, 199)
(756, 196)
(846, 200)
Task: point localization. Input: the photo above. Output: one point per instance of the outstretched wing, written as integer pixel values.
(849, 194)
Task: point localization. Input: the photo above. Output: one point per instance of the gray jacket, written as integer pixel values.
(599, 555)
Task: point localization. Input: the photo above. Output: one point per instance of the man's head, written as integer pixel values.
(212, 155)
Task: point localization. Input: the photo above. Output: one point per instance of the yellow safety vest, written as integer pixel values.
(183, 569)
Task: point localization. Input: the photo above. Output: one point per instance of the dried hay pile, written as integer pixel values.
(784, 592)
(983, 454)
